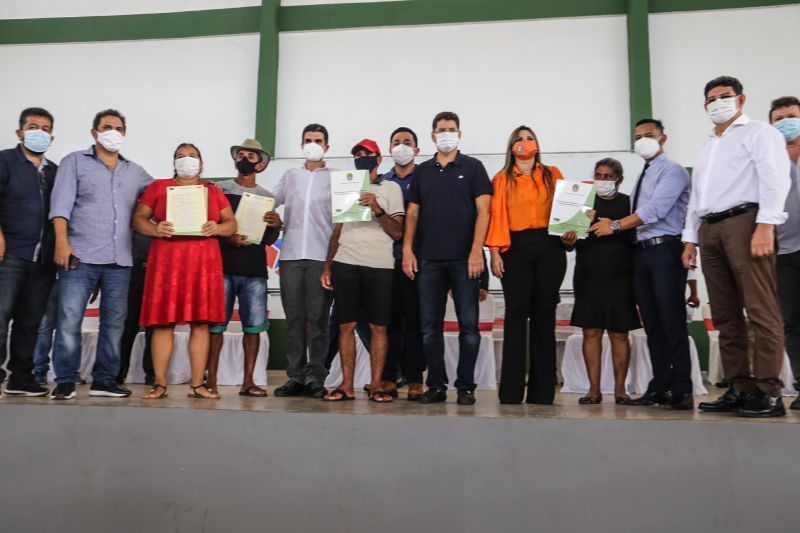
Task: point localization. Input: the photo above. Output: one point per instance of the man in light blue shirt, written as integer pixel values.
(784, 114)
(93, 199)
(659, 203)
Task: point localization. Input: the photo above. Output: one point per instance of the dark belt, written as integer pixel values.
(713, 218)
(655, 241)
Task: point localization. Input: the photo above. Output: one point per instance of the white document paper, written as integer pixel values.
(346, 189)
(571, 202)
(187, 209)
(250, 216)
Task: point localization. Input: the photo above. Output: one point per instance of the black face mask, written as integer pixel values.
(246, 167)
(367, 162)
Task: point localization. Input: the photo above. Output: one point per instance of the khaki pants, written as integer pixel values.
(736, 280)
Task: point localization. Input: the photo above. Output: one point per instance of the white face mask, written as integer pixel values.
(447, 141)
(646, 147)
(313, 152)
(605, 188)
(111, 140)
(187, 167)
(722, 110)
(402, 154)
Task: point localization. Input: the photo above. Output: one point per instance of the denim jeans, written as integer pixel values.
(44, 340)
(433, 280)
(24, 289)
(74, 291)
(252, 294)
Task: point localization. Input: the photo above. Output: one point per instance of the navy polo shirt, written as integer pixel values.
(24, 206)
(404, 184)
(446, 199)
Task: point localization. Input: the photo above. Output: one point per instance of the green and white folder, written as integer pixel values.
(571, 202)
(346, 189)
(187, 209)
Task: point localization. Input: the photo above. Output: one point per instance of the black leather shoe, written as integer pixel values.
(727, 403)
(650, 398)
(795, 405)
(762, 405)
(465, 397)
(433, 396)
(290, 388)
(316, 389)
(680, 402)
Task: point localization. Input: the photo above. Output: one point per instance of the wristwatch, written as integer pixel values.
(380, 213)
(616, 227)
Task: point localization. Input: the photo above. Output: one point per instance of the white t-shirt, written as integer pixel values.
(365, 243)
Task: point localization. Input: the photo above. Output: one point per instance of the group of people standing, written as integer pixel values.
(390, 276)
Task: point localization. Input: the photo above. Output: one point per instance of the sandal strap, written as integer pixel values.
(157, 386)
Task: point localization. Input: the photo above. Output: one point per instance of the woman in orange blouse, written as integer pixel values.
(531, 266)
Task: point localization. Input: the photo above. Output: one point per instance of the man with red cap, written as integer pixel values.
(360, 269)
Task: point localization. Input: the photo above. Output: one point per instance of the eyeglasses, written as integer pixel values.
(712, 99)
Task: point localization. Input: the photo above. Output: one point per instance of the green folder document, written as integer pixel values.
(187, 209)
(346, 189)
(571, 202)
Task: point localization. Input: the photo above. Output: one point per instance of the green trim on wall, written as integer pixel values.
(639, 94)
(267, 92)
(416, 12)
(230, 21)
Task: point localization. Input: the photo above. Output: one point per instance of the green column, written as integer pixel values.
(267, 96)
(641, 103)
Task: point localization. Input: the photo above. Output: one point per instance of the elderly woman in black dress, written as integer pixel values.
(603, 286)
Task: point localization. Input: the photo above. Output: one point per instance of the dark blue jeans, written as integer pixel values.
(433, 280)
(75, 287)
(44, 341)
(24, 289)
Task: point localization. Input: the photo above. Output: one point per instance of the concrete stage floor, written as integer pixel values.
(245, 464)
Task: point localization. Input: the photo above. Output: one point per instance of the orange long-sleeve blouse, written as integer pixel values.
(524, 205)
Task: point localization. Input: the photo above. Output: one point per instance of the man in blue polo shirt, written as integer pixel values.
(406, 355)
(448, 215)
(27, 272)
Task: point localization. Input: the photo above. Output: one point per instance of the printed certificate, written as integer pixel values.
(571, 202)
(250, 216)
(187, 209)
(346, 189)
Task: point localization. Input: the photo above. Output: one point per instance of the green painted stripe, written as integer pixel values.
(131, 27)
(668, 6)
(640, 97)
(267, 95)
(415, 12)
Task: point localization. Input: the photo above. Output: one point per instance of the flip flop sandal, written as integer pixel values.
(253, 392)
(194, 393)
(343, 397)
(381, 397)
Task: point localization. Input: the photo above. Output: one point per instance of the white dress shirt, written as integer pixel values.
(307, 218)
(747, 163)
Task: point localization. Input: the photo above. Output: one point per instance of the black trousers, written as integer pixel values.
(659, 286)
(24, 291)
(406, 355)
(788, 268)
(135, 292)
(534, 269)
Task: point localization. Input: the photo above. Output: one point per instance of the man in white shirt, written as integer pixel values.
(784, 114)
(739, 187)
(306, 194)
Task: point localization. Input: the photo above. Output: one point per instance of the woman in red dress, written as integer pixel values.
(184, 282)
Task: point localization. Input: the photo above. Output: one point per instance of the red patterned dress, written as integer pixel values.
(184, 281)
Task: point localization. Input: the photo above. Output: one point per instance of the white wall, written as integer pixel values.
(200, 90)
(567, 78)
(14, 9)
(758, 46)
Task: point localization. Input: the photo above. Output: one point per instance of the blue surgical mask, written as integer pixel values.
(37, 141)
(789, 128)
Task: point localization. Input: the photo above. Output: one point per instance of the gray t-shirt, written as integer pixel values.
(365, 243)
(231, 187)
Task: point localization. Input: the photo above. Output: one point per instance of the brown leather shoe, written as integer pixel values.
(415, 391)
